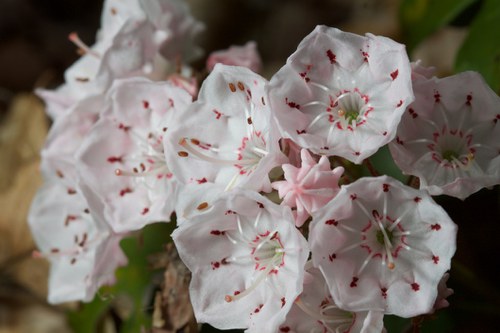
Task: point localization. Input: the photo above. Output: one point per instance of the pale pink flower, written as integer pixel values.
(246, 56)
(342, 94)
(82, 249)
(383, 246)
(450, 136)
(247, 261)
(315, 311)
(309, 187)
(227, 136)
(122, 159)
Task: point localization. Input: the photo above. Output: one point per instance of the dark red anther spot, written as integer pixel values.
(353, 196)
(436, 227)
(376, 214)
(285, 329)
(82, 79)
(86, 211)
(283, 301)
(435, 259)
(394, 74)
(217, 114)
(417, 199)
(437, 96)
(71, 191)
(164, 129)
(201, 181)
(385, 187)
(365, 56)
(354, 282)
(261, 205)
(54, 250)
(72, 262)
(332, 222)
(497, 118)
(257, 309)
(357, 153)
(293, 105)
(217, 232)
(415, 286)
(229, 212)
(301, 132)
(215, 265)
(331, 56)
(332, 256)
(69, 218)
(126, 190)
(384, 292)
(385, 133)
(399, 103)
(232, 87)
(304, 76)
(412, 113)
(224, 261)
(237, 292)
(114, 159)
(241, 86)
(59, 174)
(183, 154)
(145, 104)
(469, 99)
(123, 127)
(145, 211)
(249, 120)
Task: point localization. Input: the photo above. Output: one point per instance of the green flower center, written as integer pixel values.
(380, 236)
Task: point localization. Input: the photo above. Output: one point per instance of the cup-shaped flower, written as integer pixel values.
(450, 136)
(122, 158)
(383, 246)
(247, 261)
(309, 187)
(227, 136)
(342, 94)
(82, 249)
(315, 311)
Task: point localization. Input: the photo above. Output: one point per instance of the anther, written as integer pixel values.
(73, 37)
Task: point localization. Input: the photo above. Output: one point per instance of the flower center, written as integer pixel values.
(381, 238)
(350, 106)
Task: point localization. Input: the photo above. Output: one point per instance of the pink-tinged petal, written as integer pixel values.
(227, 136)
(383, 246)
(315, 311)
(254, 269)
(450, 136)
(123, 159)
(342, 94)
(245, 56)
(419, 72)
(81, 248)
(309, 187)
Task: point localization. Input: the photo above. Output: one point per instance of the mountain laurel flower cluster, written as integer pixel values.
(273, 218)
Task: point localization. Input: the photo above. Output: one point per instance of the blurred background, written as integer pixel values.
(452, 35)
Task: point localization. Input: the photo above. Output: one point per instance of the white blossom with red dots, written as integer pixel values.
(309, 187)
(450, 136)
(82, 249)
(254, 268)
(315, 311)
(383, 246)
(227, 136)
(123, 158)
(342, 94)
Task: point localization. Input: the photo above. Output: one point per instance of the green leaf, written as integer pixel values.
(134, 282)
(481, 49)
(420, 18)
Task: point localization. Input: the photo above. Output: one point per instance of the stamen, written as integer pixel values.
(73, 37)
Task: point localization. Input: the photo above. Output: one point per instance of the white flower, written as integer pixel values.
(227, 136)
(450, 136)
(342, 94)
(383, 246)
(247, 261)
(122, 158)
